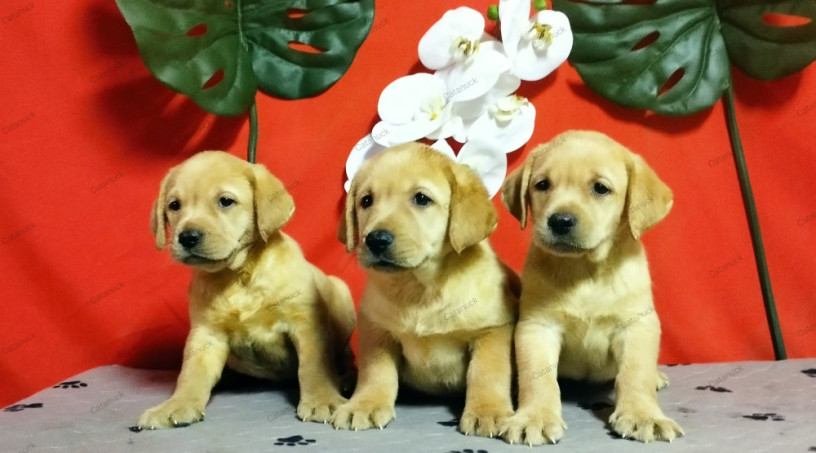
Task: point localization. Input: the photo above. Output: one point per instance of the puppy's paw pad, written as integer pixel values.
(317, 410)
(362, 415)
(533, 429)
(484, 421)
(644, 428)
(171, 414)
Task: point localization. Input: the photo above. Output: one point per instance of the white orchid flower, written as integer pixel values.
(488, 161)
(453, 38)
(536, 45)
(507, 125)
(412, 107)
(465, 57)
(365, 149)
(471, 111)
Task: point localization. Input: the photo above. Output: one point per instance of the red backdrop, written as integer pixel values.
(88, 133)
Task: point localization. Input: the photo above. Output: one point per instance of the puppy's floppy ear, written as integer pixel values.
(648, 198)
(273, 204)
(158, 214)
(472, 215)
(514, 191)
(347, 229)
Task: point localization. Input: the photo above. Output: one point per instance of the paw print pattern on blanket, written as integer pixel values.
(713, 389)
(19, 407)
(70, 385)
(449, 423)
(770, 416)
(293, 441)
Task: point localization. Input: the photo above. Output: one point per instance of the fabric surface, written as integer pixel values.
(87, 133)
(744, 406)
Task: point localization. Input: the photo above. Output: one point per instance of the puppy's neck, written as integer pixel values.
(607, 256)
(434, 272)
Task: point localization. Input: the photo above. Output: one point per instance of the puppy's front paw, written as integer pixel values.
(484, 420)
(534, 428)
(172, 413)
(319, 409)
(359, 415)
(644, 426)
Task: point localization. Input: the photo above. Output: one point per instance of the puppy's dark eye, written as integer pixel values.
(420, 199)
(543, 185)
(366, 202)
(601, 189)
(225, 202)
(174, 205)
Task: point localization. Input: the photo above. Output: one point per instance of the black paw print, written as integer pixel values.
(714, 389)
(19, 407)
(70, 385)
(772, 416)
(812, 449)
(811, 372)
(294, 441)
(454, 422)
(468, 450)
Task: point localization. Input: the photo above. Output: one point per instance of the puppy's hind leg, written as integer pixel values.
(319, 394)
(339, 312)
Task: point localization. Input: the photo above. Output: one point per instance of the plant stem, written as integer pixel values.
(252, 144)
(753, 224)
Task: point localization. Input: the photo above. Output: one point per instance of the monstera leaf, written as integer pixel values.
(672, 56)
(218, 52)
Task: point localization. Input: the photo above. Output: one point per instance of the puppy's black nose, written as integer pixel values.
(379, 240)
(190, 238)
(561, 223)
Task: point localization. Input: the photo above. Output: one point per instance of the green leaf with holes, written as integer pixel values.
(672, 56)
(219, 52)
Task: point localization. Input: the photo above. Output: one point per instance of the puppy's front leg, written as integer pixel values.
(318, 381)
(637, 414)
(488, 403)
(538, 418)
(205, 354)
(372, 404)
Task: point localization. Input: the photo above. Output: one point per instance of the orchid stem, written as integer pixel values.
(252, 144)
(753, 225)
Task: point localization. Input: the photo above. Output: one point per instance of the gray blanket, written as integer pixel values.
(726, 407)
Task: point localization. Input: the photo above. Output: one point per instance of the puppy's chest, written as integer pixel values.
(437, 364)
(257, 332)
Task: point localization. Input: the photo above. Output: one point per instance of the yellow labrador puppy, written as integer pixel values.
(586, 307)
(256, 304)
(439, 307)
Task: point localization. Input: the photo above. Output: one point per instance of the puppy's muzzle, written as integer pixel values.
(189, 239)
(562, 224)
(379, 241)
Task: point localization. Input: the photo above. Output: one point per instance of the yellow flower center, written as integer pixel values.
(432, 107)
(463, 49)
(540, 34)
(505, 109)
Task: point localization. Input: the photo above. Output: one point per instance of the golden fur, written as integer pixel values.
(439, 307)
(256, 304)
(586, 308)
